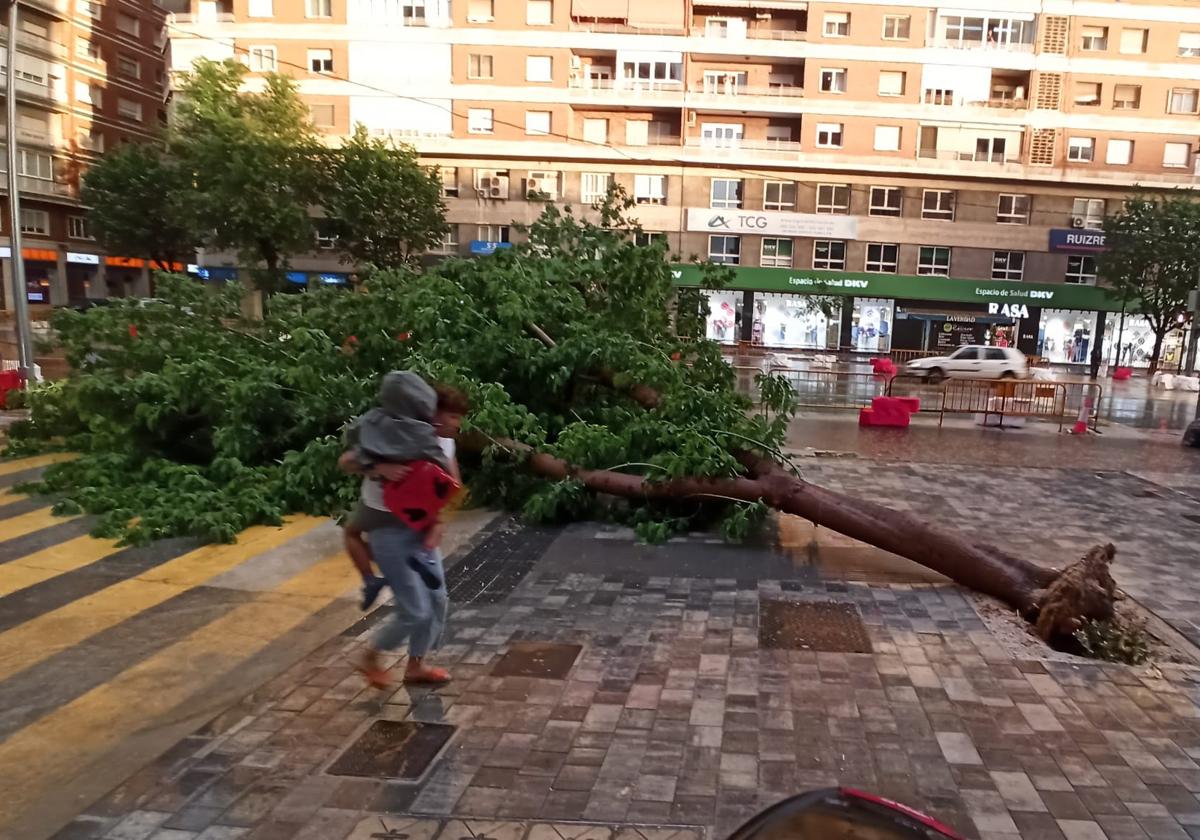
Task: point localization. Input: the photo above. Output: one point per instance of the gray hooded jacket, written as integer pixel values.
(401, 428)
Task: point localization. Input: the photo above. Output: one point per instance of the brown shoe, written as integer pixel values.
(375, 675)
(417, 672)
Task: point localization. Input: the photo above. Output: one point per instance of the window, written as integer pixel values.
(38, 165)
(833, 80)
(837, 24)
(1120, 152)
(896, 27)
(449, 243)
(1189, 44)
(725, 249)
(261, 8)
(933, 259)
(1081, 269)
(1087, 94)
(594, 187)
(891, 82)
(716, 27)
(938, 204)
(966, 353)
(646, 238)
(637, 132)
(725, 193)
(450, 181)
(128, 24)
(35, 221)
(1177, 154)
(89, 94)
(1127, 97)
(829, 135)
(479, 66)
(322, 114)
(595, 131)
(128, 67)
(539, 68)
(1095, 38)
(262, 59)
(1013, 210)
(89, 8)
(829, 254)
(87, 49)
(537, 122)
(833, 199)
(1081, 149)
(494, 233)
(539, 12)
(882, 258)
(938, 96)
(779, 195)
(318, 8)
(1089, 212)
(1133, 41)
(885, 201)
(721, 135)
(129, 109)
(1183, 101)
(650, 189)
(1008, 265)
(77, 227)
(326, 239)
(887, 138)
(413, 12)
(480, 11)
(776, 253)
(479, 121)
(320, 61)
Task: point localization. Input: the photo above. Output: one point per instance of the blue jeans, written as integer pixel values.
(411, 571)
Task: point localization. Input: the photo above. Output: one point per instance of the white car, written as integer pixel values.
(972, 361)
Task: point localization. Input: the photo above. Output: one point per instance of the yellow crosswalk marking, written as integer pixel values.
(53, 561)
(27, 523)
(42, 637)
(63, 744)
(21, 464)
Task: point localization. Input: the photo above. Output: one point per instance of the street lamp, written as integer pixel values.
(20, 299)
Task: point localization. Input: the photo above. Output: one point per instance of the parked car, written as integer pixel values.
(1191, 437)
(972, 361)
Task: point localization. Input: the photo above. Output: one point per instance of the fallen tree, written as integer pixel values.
(191, 420)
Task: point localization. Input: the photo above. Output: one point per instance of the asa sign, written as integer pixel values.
(1009, 310)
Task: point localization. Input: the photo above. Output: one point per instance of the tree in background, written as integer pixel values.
(383, 206)
(255, 160)
(1152, 260)
(142, 204)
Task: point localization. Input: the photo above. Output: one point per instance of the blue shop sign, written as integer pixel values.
(297, 277)
(482, 247)
(333, 278)
(1077, 241)
(218, 273)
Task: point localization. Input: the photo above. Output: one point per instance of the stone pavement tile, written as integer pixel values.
(1037, 826)
(988, 812)
(1163, 827)
(172, 834)
(1018, 791)
(1065, 805)
(138, 825)
(958, 748)
(222, 832)
(1082, 830)
(193, 818)
(1121, 828)
(412, 828)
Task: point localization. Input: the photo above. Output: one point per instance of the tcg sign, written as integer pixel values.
(1077, 241)
(769, 223)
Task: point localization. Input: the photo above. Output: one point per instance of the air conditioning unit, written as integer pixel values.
(545, 184)
(1078, 222)
(763, 16)
(491, 184)
(499, 188)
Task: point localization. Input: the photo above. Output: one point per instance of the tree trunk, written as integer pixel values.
(1158, 342)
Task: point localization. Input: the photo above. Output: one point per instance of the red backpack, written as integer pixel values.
(417, 499)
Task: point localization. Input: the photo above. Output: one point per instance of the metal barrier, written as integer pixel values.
(902, 357)
(1003, 398)
(824, 388)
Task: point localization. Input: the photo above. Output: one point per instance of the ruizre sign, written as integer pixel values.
(1067, 241)
(769, 223)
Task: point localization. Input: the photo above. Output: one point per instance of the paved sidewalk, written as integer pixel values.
(677, 718)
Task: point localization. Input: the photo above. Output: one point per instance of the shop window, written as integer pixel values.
(35, 221)
(896, 27)
(1081, 149)
(934, 260)
(1134, 41)
(829, 254)
(480, 121)
(779, 195)
(837, 24)
(1066, 335)
(776, 253)
(833, 198)
(539, 68)
(262, 59)
(833, 80)
(1177, 154)
(829, 135)
(1095, 39)
(594, 187)
(938, 204)
(1183, 101)
(77, 228)
(871, 325)
(793, 321)
(725, 249)
(1088, 213)
(885, 201)
(1008, 265)
(1081, 269)
(882, 258)
(724, 316)
(449, 181)
(726, 194)
(479, 66)
(650, 189)
(1013, 209)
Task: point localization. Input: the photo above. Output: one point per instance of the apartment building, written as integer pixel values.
(90, 75)
(940, 170)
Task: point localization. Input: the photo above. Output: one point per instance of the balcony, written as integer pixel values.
(42, 187)
(30, 88)
(747, 93)
(28, 42)
(966, 157)
(623, 28)
(993, 46)
(788, 147)
(58, 7)
(620, 91)
(777, 34)
(175, 19)
(32, 136)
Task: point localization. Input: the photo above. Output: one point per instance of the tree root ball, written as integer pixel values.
(1084, 590)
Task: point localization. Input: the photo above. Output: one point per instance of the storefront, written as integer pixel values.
(724, 320)
(1135, 338)
(798, 322)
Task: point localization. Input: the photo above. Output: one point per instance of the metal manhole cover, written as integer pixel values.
(812, 625)
(391, 749)
(547, 660)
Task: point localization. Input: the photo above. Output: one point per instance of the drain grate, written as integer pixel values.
(547, 660)
(398, 750)
(812, 625)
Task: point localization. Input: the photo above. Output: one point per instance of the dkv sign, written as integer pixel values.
(770, 223)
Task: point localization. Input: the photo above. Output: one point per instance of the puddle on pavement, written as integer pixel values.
(397, 750)
(842, 558)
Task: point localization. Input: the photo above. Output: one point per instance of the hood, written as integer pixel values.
(404, 394)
